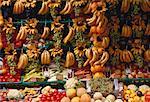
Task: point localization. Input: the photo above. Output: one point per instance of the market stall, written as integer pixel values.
(74, 50)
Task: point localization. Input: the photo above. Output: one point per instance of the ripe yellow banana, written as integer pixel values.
(44, 9)
(91, 21)
(87, 8)
(69, 9)
(88, 54)
(121, 56)
(46, 32)
(69, 36)
(23, 61)
(48, 60)
(95, 57)
(147, 31)
(104, 58)
(70, 59)
(18, 7)
(65, 8)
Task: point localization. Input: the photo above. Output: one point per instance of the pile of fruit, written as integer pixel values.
(133, 93)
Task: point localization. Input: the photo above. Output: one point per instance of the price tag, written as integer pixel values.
(128, 71)
(116, 84)
(88, 86)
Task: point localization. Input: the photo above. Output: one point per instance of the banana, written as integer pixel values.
(131, 56)
(98, 20)
(123, 6)
(18, 7)
(88, 54)
(65, 8)
(70, 59)
(95, 57)
(69, 9)
(121, 56)
(87, 9)
(46, 32)
(25, 58)
(147, 31)
(20, 63)
(103, 59)
(44, 9)
(103, 62)
(69, 36)
(124, 56)
(48, 60)
(148, 3)
(127, 57)
(23, 61)
(147, 55)
(42, 58)
(92, 21)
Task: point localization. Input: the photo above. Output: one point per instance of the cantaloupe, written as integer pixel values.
(75, 99)
(85, 98)
(71, 93)
(81, 91)
(65, 99)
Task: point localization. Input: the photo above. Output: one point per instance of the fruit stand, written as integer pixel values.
(74, 50)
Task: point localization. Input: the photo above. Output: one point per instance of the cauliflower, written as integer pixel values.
(132, 87)
(14, 94)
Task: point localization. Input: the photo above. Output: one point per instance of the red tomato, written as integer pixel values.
(52, 98)
(48, 98)
(3, 80)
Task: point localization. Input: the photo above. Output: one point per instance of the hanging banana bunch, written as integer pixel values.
(45, 57)
(44, 9)
(145, 5)
(45, 33)
(19, 7)
(147, 55)
(126, 31)
(23, 61)
(68, 7)
(126, 56)
(70, 59)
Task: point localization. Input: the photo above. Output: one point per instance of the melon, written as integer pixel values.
(71, 93)
(81, 91)
(65, 99)
(75, 99)
(85, 98)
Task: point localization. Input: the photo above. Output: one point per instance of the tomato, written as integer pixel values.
(52, 98)
(3, 80)
(48, 98)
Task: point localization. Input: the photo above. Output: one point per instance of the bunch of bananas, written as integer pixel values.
(147, 55)
(19, 7)
(22, 34)
(125, 6)
(23, 61)
(68, 7)
(44, 9)
(126, 31)
(126, 56)
(147, 31)
(145, 5)
(45, 57)
(45, 33)
(70, 59)
(69, 36)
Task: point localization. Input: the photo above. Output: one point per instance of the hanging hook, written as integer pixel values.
(69, 48)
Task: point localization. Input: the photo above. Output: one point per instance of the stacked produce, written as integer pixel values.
(133, 93)
(54, 40)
